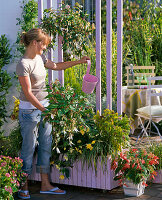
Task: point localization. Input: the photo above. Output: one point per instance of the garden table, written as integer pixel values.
(132, 99)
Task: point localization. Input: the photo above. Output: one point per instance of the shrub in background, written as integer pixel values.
(5, 83)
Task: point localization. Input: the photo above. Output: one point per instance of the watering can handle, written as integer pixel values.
(89, 66)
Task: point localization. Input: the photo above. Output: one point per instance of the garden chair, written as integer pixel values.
(144, 71)
(151, 114)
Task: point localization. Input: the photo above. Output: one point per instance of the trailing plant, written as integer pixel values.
(28, 20)
(5, 83)
(68, 113)
(71, 25)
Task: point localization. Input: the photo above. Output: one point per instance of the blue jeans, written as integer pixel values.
(32, 130)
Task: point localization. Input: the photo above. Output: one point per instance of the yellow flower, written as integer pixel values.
(52, 162)
(93, 141)
(66, 158)
(89, 146)
(93, 26)
(62, 177)
(88, 129)
(79, 141)
(76, 149)
(80, 151)
(82, 132)
(57, 167)
(64, 148)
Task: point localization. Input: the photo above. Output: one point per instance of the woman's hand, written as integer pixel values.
(84, 59)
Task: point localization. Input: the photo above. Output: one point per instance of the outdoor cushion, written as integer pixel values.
(156, 110)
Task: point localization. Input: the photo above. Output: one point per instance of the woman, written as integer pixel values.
(31, 74)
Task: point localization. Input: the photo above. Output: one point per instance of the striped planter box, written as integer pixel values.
(158, 178)
(83, 176)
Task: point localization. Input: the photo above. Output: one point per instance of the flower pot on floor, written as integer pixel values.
(134, 190)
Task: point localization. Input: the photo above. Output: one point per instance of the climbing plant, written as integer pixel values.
(27, 20)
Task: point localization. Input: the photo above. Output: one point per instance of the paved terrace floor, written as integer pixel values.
(152, 192)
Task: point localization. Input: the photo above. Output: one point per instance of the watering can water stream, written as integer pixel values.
(89, 81)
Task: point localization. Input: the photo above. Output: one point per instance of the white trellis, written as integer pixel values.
(98, 51)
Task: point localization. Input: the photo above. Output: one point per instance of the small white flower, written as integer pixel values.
(57, 149)
(71, 57)
(52, 116)
(61, 123)
(67, 7)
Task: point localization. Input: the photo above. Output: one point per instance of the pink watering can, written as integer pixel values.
(89, 81)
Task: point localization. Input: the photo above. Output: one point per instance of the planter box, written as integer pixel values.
(158, 178)
(83, 176)
(133, 190)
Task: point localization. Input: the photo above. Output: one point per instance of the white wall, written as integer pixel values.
(9, 11)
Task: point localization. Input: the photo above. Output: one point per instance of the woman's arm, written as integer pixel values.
(64, 65)
(26, 87)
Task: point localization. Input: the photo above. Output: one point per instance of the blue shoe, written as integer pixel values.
(26, 194)
(52, 191)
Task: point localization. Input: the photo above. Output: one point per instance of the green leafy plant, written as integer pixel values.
(11, 176)
(28, 20)
(5, 83)
(112, 132)
(157, 150)
(68, 113)
(11, 145)
(71, 24)
(136, 165)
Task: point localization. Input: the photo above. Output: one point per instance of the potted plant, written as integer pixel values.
(132, 168)
(11, 176)
(82, 141)
(68, 113)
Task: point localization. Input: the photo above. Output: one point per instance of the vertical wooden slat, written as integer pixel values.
(50, 51)
(94, 185)
(98, 175)
(103, 175)
(79, 173)
(75, 174)
(60, 52)
(89, 176)
(109, 53)
(84, 175)
(119, 54)
(98, 55)
(52, 174)
(40, 10)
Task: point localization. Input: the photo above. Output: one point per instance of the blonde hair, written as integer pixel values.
(35, 34)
